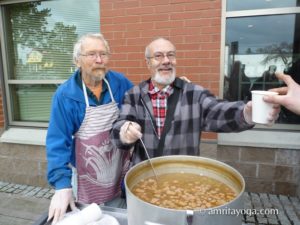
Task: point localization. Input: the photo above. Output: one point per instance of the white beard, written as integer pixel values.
(94, 79)
(97, 78)
(164, 80)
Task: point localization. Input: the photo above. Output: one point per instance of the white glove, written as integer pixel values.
(272, 117)
(130, 132)
(59, 204)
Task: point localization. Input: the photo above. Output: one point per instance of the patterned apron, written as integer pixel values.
(100, 166)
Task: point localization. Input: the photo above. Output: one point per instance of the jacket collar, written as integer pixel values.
(144, 86)
(74, 91)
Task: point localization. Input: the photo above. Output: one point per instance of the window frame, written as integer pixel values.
(255, 134)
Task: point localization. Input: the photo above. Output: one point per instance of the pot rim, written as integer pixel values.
(184, 158)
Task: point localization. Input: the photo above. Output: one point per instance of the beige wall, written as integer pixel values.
(268, 170)
(23, 164)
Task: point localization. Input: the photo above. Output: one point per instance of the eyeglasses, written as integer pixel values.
(159, 56)
(94, 55)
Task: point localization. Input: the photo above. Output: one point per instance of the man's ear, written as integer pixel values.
(77, 63)
(148, 63)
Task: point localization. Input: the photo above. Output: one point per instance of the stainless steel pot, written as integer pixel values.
(144, 213)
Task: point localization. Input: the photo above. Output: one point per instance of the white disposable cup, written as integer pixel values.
(260, 108)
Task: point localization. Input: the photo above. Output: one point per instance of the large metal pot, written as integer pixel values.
(143, 213)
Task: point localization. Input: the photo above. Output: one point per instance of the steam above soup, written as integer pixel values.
(184, 191)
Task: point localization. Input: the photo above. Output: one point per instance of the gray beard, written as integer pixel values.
(95, 80)
(164, 80)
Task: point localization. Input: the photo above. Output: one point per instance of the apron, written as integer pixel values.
(100, 167)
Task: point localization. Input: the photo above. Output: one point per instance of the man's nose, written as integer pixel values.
(99, 59)
(165, 59)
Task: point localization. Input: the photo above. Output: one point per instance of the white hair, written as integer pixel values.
(78, 45)
(147, 49)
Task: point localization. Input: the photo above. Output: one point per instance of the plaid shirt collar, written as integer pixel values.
(159, 100)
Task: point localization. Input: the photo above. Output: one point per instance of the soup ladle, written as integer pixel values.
(148, 157)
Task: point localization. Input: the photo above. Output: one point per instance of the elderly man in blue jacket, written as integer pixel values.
(78, 143)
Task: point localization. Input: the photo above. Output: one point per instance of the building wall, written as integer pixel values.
(195, 28)
(268, 170)
(275, 171)
(23, 164)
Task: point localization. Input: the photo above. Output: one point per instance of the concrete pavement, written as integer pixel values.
(22, 204)
(25, 205)
(20, 209)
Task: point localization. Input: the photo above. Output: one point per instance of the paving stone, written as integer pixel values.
(17, 185)
(10, 190)
(288, 207)
(283, 219)
(28, 189)
(23, 187)
(33, 191)
(256, 201)
(2, 184)
(273, 221)
(6, 187)
(39, 195)
(268, 206)
(247, 201)
(250, 219)
(17, 191)
(45, 190)
(262, 220)
(296, 204)
(48, 195)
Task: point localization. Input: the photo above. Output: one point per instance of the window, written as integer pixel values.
(259, 43)
(37, 39)
(234, 5)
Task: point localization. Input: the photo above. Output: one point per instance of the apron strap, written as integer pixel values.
(110, 92)
(86, 96)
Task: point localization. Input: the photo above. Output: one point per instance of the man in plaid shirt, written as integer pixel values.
(169, 114)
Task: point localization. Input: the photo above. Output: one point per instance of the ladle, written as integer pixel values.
(148, 157)
(149, 160)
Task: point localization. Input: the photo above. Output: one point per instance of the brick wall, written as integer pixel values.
(193, 26)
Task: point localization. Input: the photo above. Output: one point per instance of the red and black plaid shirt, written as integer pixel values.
(159, 103)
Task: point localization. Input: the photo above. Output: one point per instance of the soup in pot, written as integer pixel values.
(184, 191)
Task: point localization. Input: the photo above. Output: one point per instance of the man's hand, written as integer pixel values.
(59, 204)
(288, 96)
(130, 132)
(272, 117)
(185, 79)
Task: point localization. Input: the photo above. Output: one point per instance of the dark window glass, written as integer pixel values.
(31, 103)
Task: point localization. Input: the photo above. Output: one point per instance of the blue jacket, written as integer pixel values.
(67, 113)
